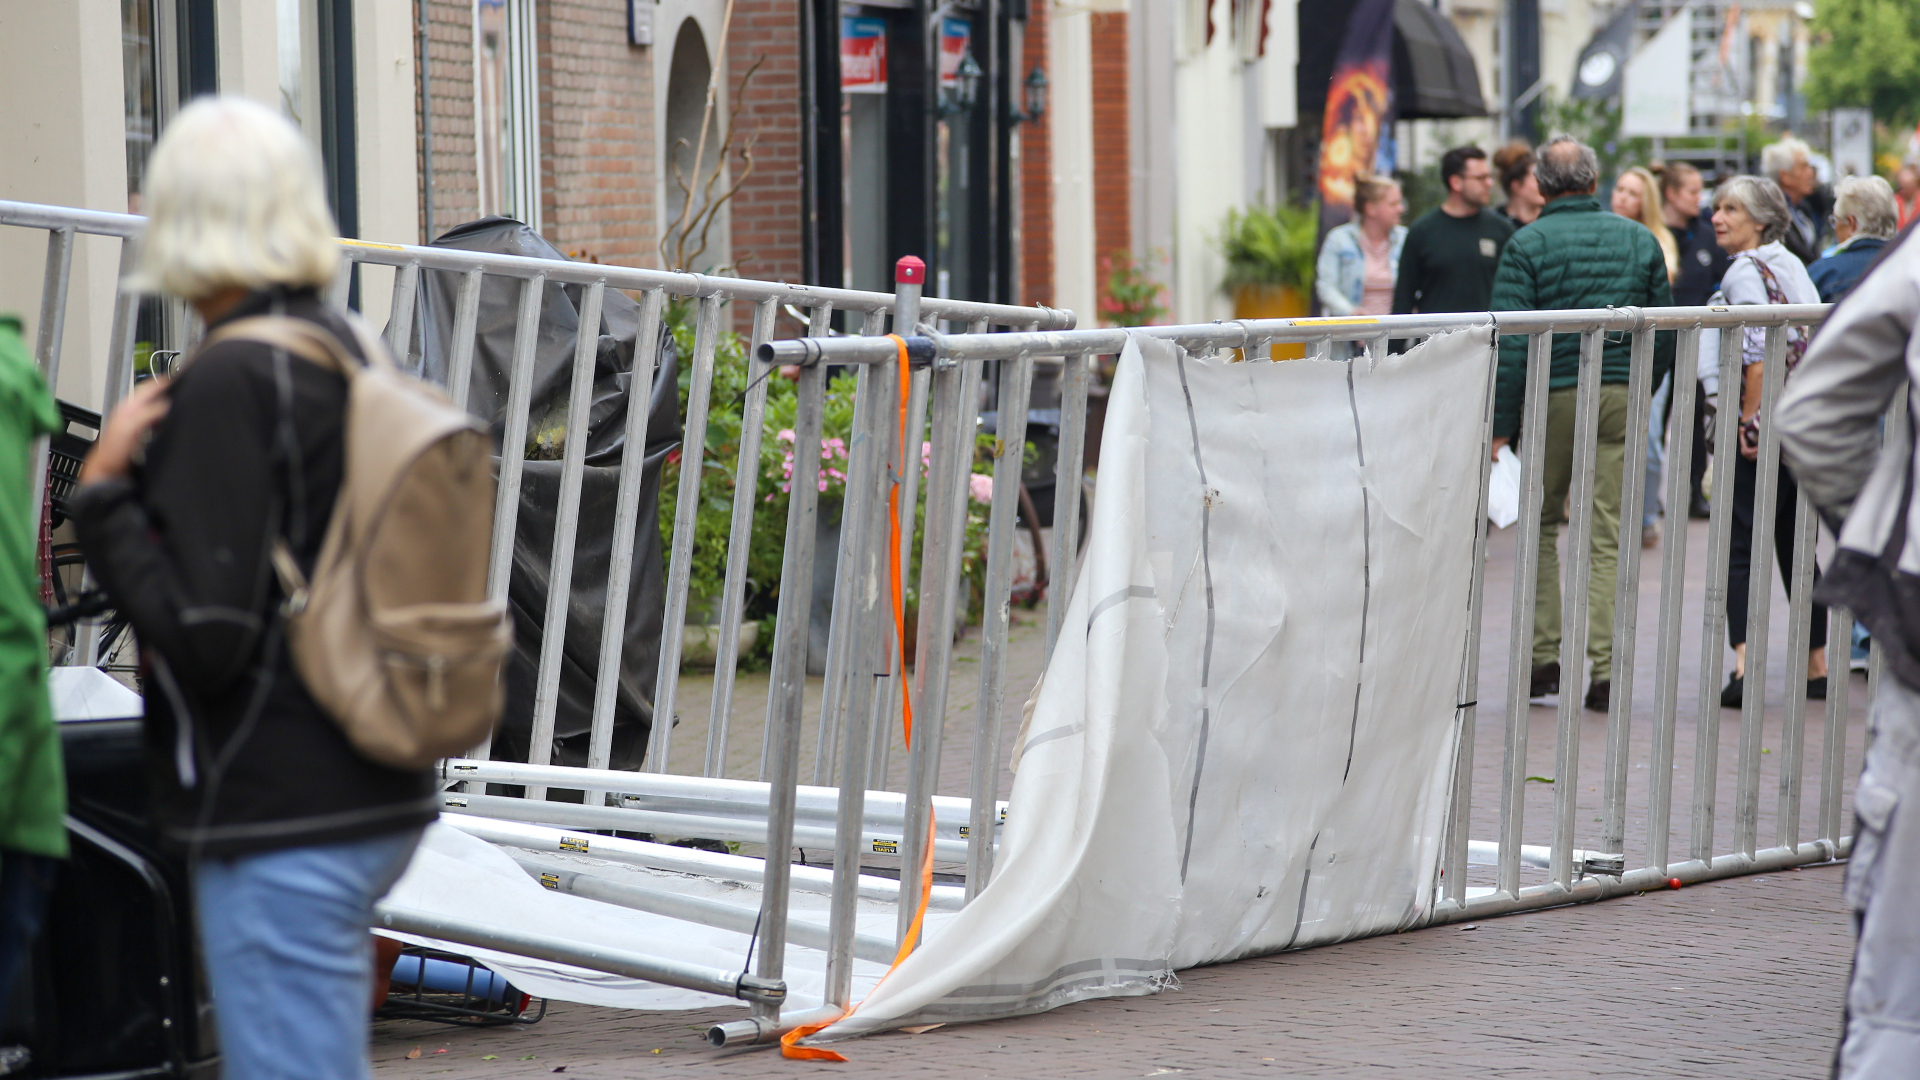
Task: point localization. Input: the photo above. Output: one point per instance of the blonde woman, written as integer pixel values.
(1636, 196)
(291, 834)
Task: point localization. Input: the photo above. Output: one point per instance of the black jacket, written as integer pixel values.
(182, 548)
(1702, 262)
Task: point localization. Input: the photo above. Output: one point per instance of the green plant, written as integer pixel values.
(1130, 296)
(1866, 52)
(1270, 246)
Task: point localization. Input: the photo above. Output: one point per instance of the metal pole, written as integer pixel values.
(907, 462)
(466, 320)
(1063, 559)
(679, 569)
(1459, 815)
(1526, 564)
(573, 460)
(1574, 604)
(1753, 702)
(1673, 576)
(1706, 754)
(406, 285)
(626, 523)
(513, 451)
(746, 488)
(1009, 450)
(1793, 748)
(1626, 609)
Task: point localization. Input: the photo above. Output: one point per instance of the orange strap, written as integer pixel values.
(789, 1043)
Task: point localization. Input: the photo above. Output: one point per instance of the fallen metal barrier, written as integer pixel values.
(861, 693)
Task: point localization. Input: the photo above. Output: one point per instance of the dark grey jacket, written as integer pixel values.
(1829, 421)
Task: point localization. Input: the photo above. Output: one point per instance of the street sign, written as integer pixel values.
(1852, 142)
(1657, 90)
(863, 55)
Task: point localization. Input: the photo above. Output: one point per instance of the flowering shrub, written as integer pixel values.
(719, 461)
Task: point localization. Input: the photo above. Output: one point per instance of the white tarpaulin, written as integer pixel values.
(1244, 738)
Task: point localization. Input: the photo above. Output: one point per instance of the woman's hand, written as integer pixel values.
(113, 452)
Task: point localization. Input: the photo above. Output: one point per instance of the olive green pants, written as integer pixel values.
(1608, 468)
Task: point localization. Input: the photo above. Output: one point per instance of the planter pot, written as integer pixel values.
(1272, 302)
(700, 644)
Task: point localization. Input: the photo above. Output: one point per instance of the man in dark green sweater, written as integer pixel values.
(1576, 256)
(1448, 261)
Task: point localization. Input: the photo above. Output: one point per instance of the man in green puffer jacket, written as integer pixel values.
(1576, 256)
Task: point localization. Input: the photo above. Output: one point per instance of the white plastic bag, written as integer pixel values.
(1503, 489)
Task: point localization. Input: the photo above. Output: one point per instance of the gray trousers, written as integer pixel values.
(1883, 881)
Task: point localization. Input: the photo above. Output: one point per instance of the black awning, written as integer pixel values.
(1434, 76)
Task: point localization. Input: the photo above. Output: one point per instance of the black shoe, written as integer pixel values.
(1817, 688)
(1546, 679)
(1697, 508)
(1730, 698)
(1600, 695)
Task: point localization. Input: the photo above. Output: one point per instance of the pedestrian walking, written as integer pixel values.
(1906, 188)
(1575, 256)
(33, 797)
(1789, 163)
(1637, 198)
(1702, 265)
(292, 834)
(1865, 217)
(1453, 250)
(1750, 216)
(1829, 423)
(1513, 164)
(1360, 259)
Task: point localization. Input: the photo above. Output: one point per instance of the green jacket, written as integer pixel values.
(1576, 256)
(33, 790)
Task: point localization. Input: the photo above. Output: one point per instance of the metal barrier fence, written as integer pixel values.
(861, 696)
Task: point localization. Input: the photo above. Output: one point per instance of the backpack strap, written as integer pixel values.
(307, 340)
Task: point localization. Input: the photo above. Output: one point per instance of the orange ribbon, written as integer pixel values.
(789, 1043)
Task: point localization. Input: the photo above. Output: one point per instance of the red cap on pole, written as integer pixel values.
(910, 270)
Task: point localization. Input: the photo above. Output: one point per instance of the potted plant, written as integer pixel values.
(1270, 254)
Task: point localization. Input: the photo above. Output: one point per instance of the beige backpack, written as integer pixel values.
(395, 636)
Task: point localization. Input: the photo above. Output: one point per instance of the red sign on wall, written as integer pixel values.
(863, 55)
(956, 36)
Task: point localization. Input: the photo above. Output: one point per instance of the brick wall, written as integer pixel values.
(597, 133)
(767, 214)
(1112, 166)
(1036, 175)
(597, 141)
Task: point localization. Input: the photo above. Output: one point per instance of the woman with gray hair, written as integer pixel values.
(1750, 216)
(1864, 219)
(291, 834)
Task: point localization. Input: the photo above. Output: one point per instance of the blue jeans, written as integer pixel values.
(289, 956)
(1650, 495)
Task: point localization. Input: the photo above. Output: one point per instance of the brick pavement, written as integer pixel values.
(1737, 978)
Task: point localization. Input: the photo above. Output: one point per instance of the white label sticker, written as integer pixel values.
(1488, 248)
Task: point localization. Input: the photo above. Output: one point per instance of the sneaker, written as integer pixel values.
(1600, 695)
(1817, 688)
(1731, 697)
(1650, 536)
(1697, 508)
(1546, 679)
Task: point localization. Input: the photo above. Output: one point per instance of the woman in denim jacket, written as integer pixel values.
(1343, 280)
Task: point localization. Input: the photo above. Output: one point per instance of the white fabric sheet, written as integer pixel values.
(461, 876)
(1244, 738)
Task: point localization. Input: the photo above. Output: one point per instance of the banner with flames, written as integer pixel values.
(1359, 108)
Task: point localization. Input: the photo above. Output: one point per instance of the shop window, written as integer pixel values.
(507, 109)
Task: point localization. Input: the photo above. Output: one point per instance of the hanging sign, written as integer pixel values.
(1359, 108)
(955, 37)
(863, 55)
(1656, 93)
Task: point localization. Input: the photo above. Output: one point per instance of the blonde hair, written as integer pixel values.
(1368, 190)
(234, 198)
(1654, 217)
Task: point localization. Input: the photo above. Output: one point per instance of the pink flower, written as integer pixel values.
(980, 487)
(784, 435)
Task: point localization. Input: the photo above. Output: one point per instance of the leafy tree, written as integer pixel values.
(1866, 52)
